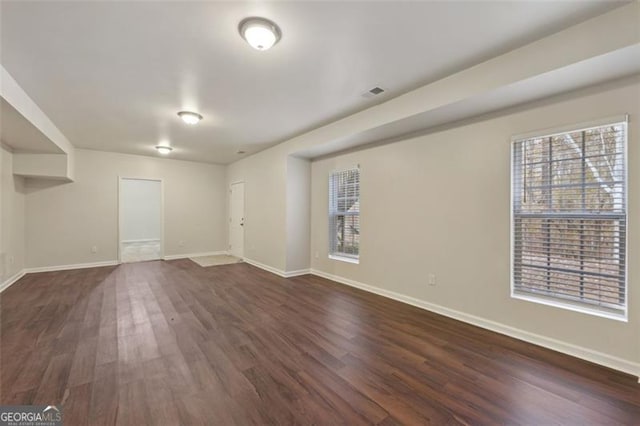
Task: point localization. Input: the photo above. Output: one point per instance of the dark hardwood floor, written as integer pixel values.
(173, 343)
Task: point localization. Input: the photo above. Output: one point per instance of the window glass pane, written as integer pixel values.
(570, 217)
(344, 209)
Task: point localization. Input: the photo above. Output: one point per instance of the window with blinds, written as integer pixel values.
(570, 219)
(344, 214)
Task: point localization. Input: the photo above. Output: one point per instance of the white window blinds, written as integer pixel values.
(344, 213)
(570, 218)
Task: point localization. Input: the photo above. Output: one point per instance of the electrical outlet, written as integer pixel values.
(317, 255)
(432, 278)
(12, 260)
(94, 249)
(181, 243)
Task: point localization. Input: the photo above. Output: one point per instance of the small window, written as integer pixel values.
(569, 219)
(344, 214)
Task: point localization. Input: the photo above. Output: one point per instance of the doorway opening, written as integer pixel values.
(140, 220)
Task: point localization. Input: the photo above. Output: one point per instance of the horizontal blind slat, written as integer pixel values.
(344, 212)
(569, 215)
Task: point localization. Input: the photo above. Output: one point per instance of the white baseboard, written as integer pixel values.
(268, 268)
(68, 267)
(596, 357)
(5, 285)
(299, 272)
(186, 256)
(279, 272)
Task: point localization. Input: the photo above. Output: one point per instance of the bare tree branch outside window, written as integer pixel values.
(344, 213)
(569, 217)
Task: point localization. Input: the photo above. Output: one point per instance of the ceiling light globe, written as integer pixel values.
(164, 150)
(260, 38)
(190, 117)
(260, 33)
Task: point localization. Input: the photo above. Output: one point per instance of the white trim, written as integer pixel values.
(576, 127)
(334, 212)
(512, 234)
(188, 255)
(267, 268)
(557, 302)
(345, 169)
(348, 259)
(299, 272)
(278, 272)
(68, 267)
(606, 360)
(11, 280)
(148, 240)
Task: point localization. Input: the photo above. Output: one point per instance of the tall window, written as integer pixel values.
(570, 219)
(344, 214)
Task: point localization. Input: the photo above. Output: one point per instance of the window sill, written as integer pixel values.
(346, 259)
(571, 307)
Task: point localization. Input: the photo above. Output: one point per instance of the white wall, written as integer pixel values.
(264, 175)
(140, 209)
(47, 166)
(440, 203)
(298, 213)
(12, 225)
(65, 220)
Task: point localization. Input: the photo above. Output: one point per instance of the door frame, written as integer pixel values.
(244, 202)
(119, 242)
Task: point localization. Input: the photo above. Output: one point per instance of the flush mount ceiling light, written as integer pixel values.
(260, 33)
(190, 117)
(163, 149)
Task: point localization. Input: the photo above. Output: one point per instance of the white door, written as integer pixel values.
(140, 220)
(236, 220)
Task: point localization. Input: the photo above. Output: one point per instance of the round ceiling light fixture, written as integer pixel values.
(164, 149)
(260, 33)
(190, 117)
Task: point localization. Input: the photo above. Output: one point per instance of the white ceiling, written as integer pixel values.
(112, 75)
(617, 67)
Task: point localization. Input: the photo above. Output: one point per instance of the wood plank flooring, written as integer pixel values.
(171, 343)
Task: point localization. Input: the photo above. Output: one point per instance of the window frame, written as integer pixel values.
(618, 315)
(336, 255)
